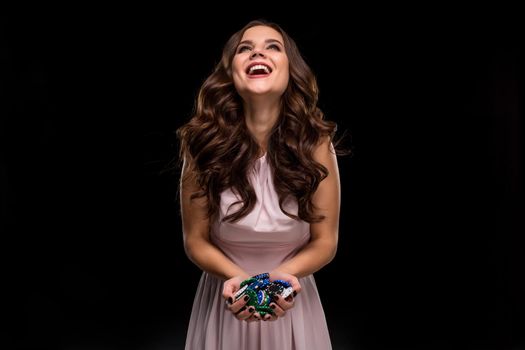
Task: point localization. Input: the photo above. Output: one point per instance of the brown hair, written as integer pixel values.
(220, 149)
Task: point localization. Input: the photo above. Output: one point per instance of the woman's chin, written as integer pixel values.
(261, 91)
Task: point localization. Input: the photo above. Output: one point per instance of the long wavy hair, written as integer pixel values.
(219, 149)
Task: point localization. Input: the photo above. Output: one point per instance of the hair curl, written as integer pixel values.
(220, 149)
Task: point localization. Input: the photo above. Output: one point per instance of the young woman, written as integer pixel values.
(259, 193)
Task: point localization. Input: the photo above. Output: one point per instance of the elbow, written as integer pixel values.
(188, 250)
(331, 249)
(192, 247)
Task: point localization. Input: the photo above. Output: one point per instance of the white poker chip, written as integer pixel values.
(287, 292)
(239, 292)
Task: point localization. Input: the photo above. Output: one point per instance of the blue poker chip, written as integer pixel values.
(264, 283)
(284, 283)
(263, 298)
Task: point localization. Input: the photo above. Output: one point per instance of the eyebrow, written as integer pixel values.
(266, 41)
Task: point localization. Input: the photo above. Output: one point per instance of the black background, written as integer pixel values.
(431, 231)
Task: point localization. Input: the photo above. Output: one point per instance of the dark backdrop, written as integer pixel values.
(431, 231)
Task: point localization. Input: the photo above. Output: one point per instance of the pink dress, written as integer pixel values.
(258, 243)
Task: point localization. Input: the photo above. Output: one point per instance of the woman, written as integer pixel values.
(259, 193)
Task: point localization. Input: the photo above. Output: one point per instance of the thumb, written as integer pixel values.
(227, 291)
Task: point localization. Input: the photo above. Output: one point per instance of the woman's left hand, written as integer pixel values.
(281, 305)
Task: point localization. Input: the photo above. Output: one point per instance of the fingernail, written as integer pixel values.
(272, 306)
(242, 309)
(246, 298)
(275, 297)
(230, 300)
(294, 293)
(288, 298)
(251, 309)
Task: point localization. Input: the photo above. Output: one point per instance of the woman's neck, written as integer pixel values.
(260, 119)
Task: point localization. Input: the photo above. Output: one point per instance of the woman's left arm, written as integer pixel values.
(324, 235)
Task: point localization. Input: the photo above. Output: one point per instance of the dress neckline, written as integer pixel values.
(263, 156)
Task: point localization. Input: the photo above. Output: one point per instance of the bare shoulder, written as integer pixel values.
(188, 173)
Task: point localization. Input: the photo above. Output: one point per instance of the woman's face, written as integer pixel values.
(260, 64)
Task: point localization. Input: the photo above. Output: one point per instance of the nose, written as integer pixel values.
(256, 53)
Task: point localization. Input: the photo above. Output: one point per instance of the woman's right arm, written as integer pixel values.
(196, 227)
(204, 254)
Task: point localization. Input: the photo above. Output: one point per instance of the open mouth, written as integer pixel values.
(258, 69)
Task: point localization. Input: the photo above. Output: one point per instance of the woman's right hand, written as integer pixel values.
(239, 307)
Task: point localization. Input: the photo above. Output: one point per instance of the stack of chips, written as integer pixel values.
(261, 291)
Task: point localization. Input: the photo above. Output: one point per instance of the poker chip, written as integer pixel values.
(240, 292)
(275, 288)
(287, 292)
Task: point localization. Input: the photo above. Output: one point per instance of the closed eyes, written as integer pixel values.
(243, 48)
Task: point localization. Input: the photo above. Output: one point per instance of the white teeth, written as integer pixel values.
(259, 66)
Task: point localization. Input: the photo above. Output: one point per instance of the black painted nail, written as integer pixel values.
(294, 293)
(272, 306)
(251, 309)
(242, 309)
(246, 298)
(230, 300)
